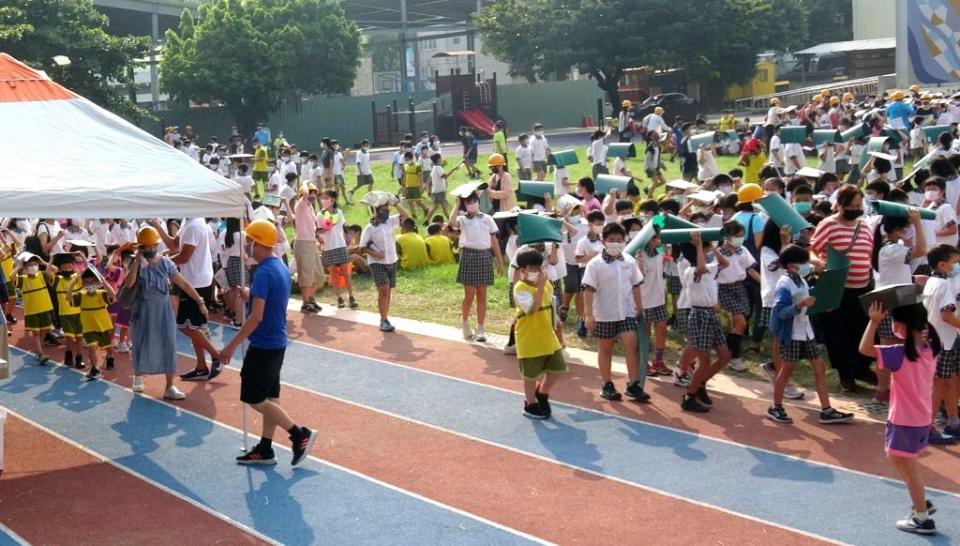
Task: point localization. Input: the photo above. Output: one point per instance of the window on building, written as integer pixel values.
(428, 44)
(761, 75)
(455, 40)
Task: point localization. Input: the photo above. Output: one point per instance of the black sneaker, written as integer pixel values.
(609, 392)
(635, 391)
(257, 456)
(353, 303)
(68, 358)
(931, 509)
(778, 414)
(831, 416)
(535, 411)
(340, 303)
(690, 403)
(544, 401)
(911, 524)
(195, 375)
(93, 374)
(51, 341)
(309, 309)
(110, 364)
(302, 444)
(11, 319)
(78, 362)
(215, 368)
(704, 398)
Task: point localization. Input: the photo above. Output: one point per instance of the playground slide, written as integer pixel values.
(478, 121)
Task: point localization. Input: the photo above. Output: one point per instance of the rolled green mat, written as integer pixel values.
(793, 135)
(783, 214)
(703, 139)
(535, 188)
(606, 182)
(679, 236)
(894, 136)
(875, 144)
(822, 136)
(565, 158)
(856, 131)
(934, 132)
(621, 149)
(829, 288)
(533, 228)
(899, 210)
(638, 243)
(669, 221)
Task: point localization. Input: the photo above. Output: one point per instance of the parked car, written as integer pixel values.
(674, 104)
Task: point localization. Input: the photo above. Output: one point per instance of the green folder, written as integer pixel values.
(679, 236)
(822, 136)
(899, 210)
(606, 182)
(854, 132)
(638, 243)
(533, 228)
(532, 188)
(703, 139)
(831, 284)
(793, 135)
(669, 221)
(783, 214)
(621, 149)
(565, 158)
(934, 131)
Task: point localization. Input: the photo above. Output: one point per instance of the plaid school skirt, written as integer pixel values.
(673, 284)
(765, 313)
(948, 363)
(733, 298)
(607, 330)
(703, 329)
(233, 271)
(681, 323)
(797, 350)
(476, 267)
(655, 314)
(335, 256)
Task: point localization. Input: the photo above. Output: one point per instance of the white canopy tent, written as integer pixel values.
(66, 157)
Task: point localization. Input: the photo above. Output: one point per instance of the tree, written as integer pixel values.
(34, 31)
(829, 21)
(252, 54)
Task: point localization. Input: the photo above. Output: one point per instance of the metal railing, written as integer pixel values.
(859, 87)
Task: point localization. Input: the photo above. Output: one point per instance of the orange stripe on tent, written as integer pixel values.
(20, 83)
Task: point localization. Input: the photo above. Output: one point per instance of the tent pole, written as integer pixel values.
(243, 316)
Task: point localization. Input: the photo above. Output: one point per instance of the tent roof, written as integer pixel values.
(852, 45)
(69, 158)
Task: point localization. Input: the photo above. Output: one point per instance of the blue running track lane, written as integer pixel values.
(822, 500)
(192, 456)
(9, 538)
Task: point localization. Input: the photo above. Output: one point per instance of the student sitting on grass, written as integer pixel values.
(439, 246)
(411, 247)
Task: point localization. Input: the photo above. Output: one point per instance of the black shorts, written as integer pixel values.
(571, 284)
(188, 312)
(260, 374)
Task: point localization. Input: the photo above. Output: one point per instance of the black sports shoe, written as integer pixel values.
(704, 398)
(931, 509)
(93, 374)
(353, 303)
(340, 303)
(257, 456)
(215, 368)
(544, 401)
(68, 358)
(307, 308)
(778, 414)
(911, 524)
(635, 391)
(535, 411)
(831, 416)
(609, 392)
(110, 364)
(11, 319)
(78, 362)
(301, 444)
(690, 403)
(195, 375)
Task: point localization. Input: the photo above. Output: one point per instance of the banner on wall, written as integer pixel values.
(927, 45)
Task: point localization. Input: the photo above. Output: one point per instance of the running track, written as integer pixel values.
(422, 442)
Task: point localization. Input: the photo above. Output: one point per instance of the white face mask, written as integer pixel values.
(725, 189)
(32, 269)
(614, 249)
(932, 195)
(533, 277)
(92, 289)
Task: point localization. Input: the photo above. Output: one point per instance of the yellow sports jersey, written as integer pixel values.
(439, 249)
(751, 173)
(260, 159)
(36, 299)
(413, 250)
(94, 316)
(67, 308)
(411, 175)
(535, 335)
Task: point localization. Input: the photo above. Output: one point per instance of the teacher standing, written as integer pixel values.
(847, 232)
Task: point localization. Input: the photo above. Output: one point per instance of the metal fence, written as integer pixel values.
(859, 87)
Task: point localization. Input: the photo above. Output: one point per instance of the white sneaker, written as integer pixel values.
(467, 330)
(792, 392)
(510, 350)
(769, 371)
(481, 337)
(173, 393)
(122, 347)
(737, 365)
(137, 384)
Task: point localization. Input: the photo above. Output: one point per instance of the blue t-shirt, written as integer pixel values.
(271, 283)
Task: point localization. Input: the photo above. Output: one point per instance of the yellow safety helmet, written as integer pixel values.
(816, 98)
(914, 88)
(658, 110)
(926, 96)
(897, 95)
(774, 101)
(263, 232)
(748, 193)
(308, 187)
(824, 93)
(147, 236)
(626, 104)
(834, 101)
(496, 160)
(848, 96)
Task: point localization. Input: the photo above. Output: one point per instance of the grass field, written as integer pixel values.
(432, 294)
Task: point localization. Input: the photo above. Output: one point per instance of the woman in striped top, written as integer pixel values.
(847, 232)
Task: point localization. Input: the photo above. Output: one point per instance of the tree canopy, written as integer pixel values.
(252, 54)
(34, 31)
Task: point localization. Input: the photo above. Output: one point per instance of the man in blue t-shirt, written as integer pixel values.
(266, 328)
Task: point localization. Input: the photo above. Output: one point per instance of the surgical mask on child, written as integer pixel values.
(803, 207)
(90, 288)
(633, 234)
(473, 208)
(312, 199)
(725, 189)
(932, 195)
(150, 254)
(737, 242)
(533, 276)
(32, 269)
(805, 269)
(954, 271)
(286, 159)
(614, 249)
(383, 216)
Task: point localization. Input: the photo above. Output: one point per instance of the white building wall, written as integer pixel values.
(874, 19)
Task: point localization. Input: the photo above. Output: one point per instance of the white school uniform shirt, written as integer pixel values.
(246, 182)
(773, 115)
(554, 272)
(775, 145)
(856, 152)
(120, 235)
(829, 163)
(539, 147)
(381, 238)
(619, 166)
(894, 265)
(286, 167)
(334, 237)
(939, 294)
(524, 157)
(338, 164)
(560, 188)
(598, 151)
(792, 150)
(802, 330)
(613, 284)
(475, 232)
(363, 162)
(739, 260)
(571, 240)
(945, 216)
(585, 246)
(769, 279)
(654, 122)
(511, 247)
(680, 266)
(438, 184)
(953, 192)
(709, 168)
(226, 252)
(652, 291)
(917, 137)
(702, 291)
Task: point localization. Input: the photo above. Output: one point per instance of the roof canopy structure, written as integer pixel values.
(846, 47)
(69, 158)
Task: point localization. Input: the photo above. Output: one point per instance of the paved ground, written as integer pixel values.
(422, 442)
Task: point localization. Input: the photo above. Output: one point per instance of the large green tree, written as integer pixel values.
(34, 31)
(250, 54)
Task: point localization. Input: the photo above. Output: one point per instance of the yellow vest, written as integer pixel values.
(535, 335)
(439, 249)
(411, 175)
(94, 316)
(67, 308)
(6, 262)
(36, 299)
(413, 251)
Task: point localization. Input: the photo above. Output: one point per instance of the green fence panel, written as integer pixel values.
(554, 104)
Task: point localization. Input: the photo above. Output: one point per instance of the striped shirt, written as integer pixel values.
(830, 232)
